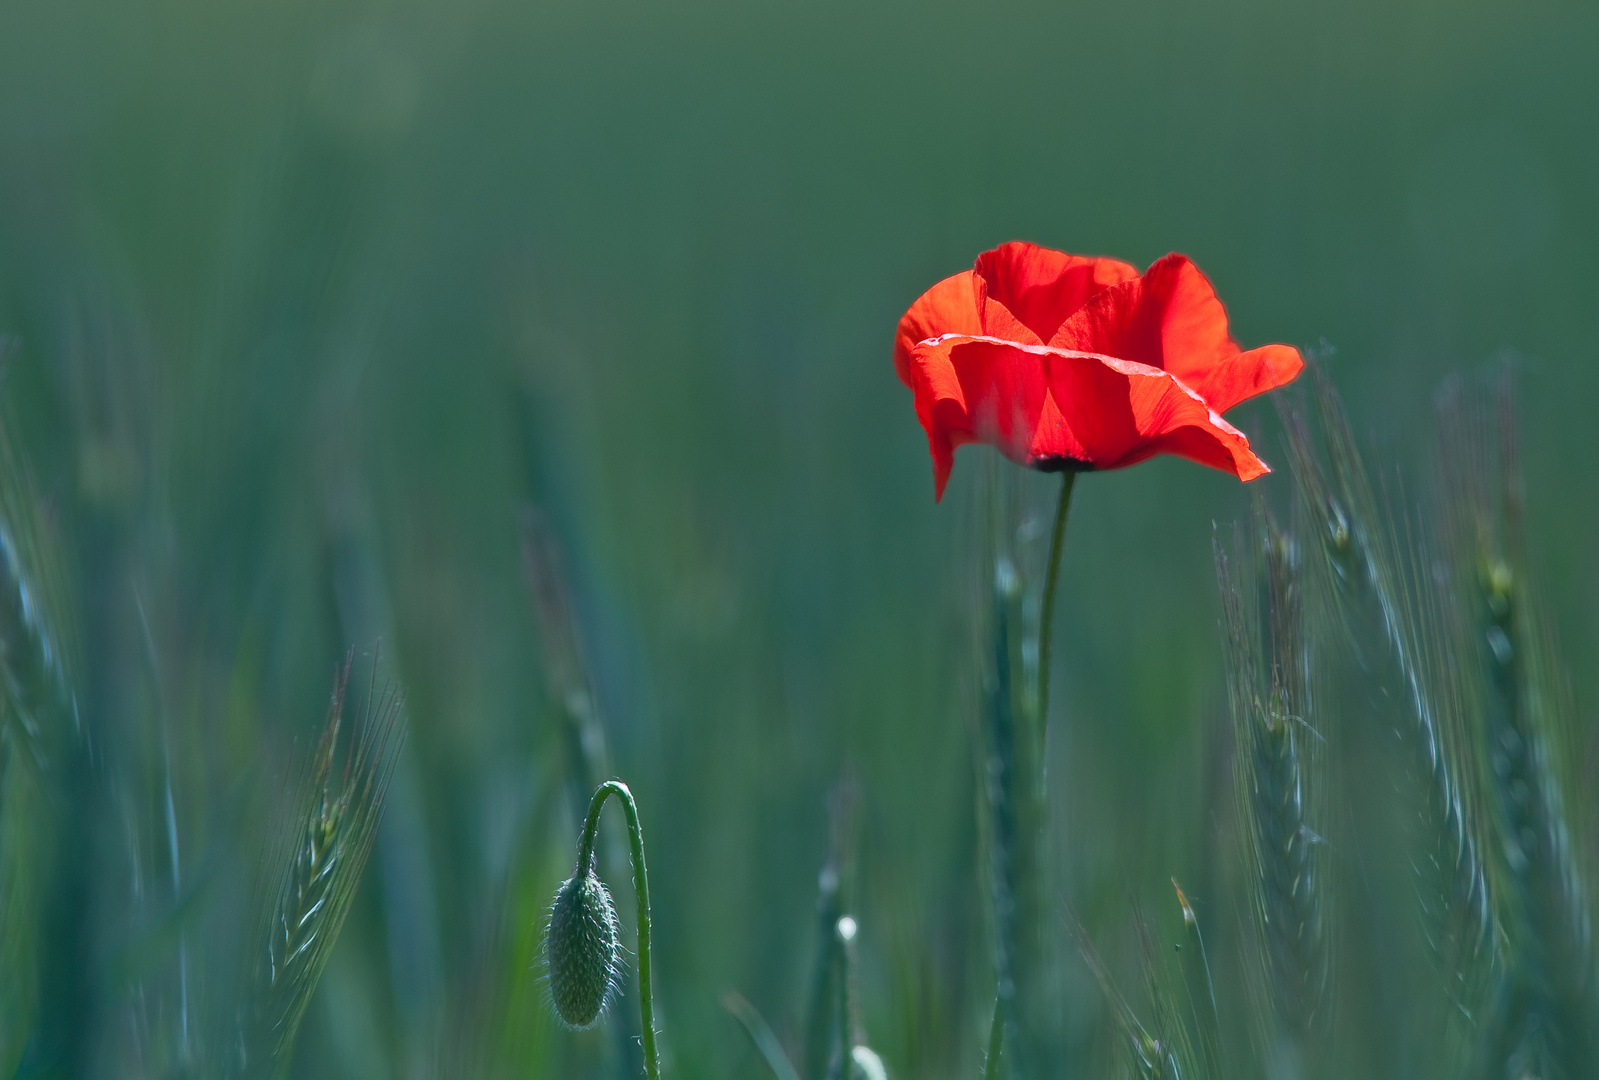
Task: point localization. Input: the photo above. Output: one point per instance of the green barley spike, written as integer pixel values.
(1390, 607)
(310, 869)
(1543, 1019)
(1268, 682)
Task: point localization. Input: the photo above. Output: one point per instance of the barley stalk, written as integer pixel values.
(1012, 753)
(1007, 795)
(1181, 1059)
(1268, 685)
(1544, 1013)
(1156, 1051)
(312, 868)
(1202, 1004)
(851, 1031)
(821, 1019)
(822, 1035)
(23, 854)
(564, 669)
(1384, 600)
(38, 729)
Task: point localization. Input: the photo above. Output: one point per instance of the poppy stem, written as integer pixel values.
(641, 891)
(1046, 620)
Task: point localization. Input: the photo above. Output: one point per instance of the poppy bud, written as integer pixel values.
(583, 950)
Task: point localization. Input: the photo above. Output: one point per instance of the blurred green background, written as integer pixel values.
(310, 301)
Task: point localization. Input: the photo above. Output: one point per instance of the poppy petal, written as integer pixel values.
(1025, 292)
(1249, 373)
(1170, 417)
(975, 395)
(1171, 319)
(1116, 413)
(1056, 408)
(1168, 318)
(950, 307)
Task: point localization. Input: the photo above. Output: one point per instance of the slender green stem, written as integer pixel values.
(1046, 618)
(641, 890)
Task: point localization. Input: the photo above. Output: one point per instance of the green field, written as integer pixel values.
(539, 353)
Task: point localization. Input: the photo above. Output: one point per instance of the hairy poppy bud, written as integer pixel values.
(583, 949)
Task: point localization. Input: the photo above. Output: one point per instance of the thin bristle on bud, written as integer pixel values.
(582, 949)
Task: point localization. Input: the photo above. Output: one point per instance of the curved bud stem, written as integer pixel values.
(641, 890)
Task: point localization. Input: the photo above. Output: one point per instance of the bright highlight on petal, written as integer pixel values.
(1134, 365)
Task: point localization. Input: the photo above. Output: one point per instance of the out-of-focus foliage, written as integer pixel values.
(547, 344)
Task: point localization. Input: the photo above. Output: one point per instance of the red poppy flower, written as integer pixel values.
(1070, 362)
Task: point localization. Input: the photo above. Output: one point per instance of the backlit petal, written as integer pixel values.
(1135, 366)
(1025, 291)
(950, 307)
(1249, 373)
(1099, 412)
(991, 395)
(1170, 318)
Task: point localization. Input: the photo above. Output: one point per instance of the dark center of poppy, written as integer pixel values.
(1061, 463)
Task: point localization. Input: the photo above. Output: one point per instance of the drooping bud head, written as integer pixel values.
(583, 949)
